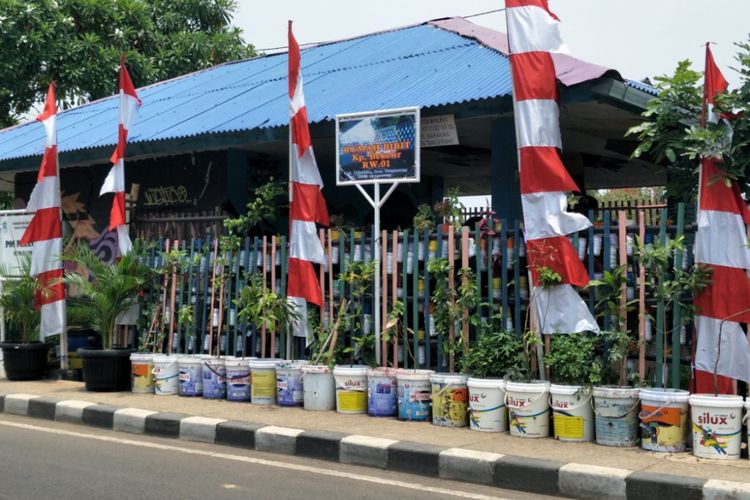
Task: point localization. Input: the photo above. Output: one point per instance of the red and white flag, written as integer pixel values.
(721, 245)
(45, 229)
(533, 35)
(307, 204)
(115, 181)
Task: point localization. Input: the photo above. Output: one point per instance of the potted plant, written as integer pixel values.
(24, 358)
(105, 292)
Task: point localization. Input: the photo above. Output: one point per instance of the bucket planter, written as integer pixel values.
(572, 413)
(24, 361)
(141, 376)
(487, 411)
(106, 370)
(190, 378)
(318, 388)
(214, 378)
(717, 425)
(166, 373)
(263, 381)
(616, 412)
(450, 400)
(289, 388)
(528, 408)
(351, 389)
(237, 379)
(382, 392)
(663, 417)
(414, 394)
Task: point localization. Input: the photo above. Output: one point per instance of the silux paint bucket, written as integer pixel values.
(528, 408)
(289, 383)
(616, 415)
(165, 375)
(141, 378)
(191, 376)
(318, 388)
(450, 400)
(572, 414)
(717, 425)
(238, 379)
(664, 419)
(214, 378)
(351, 389)
(414, 394)
(487, 412)
(382, 392)
(263, 381)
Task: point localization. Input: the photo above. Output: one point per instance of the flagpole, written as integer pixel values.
(289, 336)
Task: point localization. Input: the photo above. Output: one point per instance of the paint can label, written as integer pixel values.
(449, 405)
(263, 386)
(567, 426)
(141, 378)
(351, 401)
(717, 433)
(663, 428)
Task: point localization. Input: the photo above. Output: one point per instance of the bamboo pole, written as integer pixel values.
(394, 289)
(210, 314)
(330, 274)
(452, 285)
(642, 301)
(384, 296)
(623, 260)
(221, 308)
(273, 289)
(465, 267)
(164, 293)
(264, 254)
(321, 277)
(172, 295)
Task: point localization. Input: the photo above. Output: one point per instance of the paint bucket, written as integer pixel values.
(414, 391)
(165, 375)
(318, 388)
(717, 425)
(528, 408)
(263, 386)
(487, 412)
(238, 379)
(450, 400)
(214, 378)
(616, 415)
(572, 413)
(191, 376)
(382, 392)
(289, 389)
(664, 419)
(141, 378)
(351, 389)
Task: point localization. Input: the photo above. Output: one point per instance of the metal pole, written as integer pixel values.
(376, 256)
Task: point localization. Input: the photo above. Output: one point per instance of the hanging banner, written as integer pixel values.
(378, 147)
(13, 224)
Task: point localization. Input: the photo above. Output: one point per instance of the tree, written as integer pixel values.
(78, 44)
(674, 137)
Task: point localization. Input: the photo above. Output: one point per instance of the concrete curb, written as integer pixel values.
(458, 464)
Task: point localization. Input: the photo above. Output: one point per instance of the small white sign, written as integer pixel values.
(439, 131)
(13, 223)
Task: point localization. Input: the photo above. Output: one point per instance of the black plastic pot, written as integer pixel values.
(24, 361)
(106, 371)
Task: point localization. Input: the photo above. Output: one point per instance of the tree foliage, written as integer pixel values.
(78, 44)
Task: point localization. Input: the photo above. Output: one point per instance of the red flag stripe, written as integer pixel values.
(533, 76)
(558, 255)
(542, 170)
(308, 204)
(301, 132)
(117, 214)
(727, 296)
(49, 163)
(716, 195)
(704, 383)
(45, 225)
(122, 140)
(303, 282)
(542, 4)
(50, 288)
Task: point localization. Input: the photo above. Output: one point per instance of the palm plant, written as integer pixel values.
(17, 301)
(109, 289)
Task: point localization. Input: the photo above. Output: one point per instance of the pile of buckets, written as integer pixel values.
(664, 420)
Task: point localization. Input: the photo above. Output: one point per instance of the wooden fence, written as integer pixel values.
(497, 256)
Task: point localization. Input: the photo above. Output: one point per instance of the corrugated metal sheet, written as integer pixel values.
(416, 66)
(644, 87)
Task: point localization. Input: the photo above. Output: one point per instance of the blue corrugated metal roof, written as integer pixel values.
(416, 66)
(642, 86)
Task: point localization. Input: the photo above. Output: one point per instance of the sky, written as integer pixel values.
(639, 38)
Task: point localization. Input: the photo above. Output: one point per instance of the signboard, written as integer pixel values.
(378, 147)
(439, 131)
(13, 223)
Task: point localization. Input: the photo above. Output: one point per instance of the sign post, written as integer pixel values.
(377, 147)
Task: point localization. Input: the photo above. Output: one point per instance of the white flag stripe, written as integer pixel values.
(734, 361)
(123, 239)
(299, 328)
(721, 239)
(297, 101)
(537, 123)
(50, 130)
(46, 194)
(128, 109)
(532, 29)
(53, 318)
(545, 216)
(305, 169)
(305, 243)
(115, 180)
(46, 256)
(561, 310)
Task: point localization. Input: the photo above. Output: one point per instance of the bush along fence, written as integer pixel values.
(441, 292)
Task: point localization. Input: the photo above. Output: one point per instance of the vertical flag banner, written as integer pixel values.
(533, 35)
(721, 246)
(115, 181)
(45, 230)
(307, 204)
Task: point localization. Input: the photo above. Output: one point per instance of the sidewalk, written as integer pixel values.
(632, 459)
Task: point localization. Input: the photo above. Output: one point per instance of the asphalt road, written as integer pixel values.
(41, 459)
